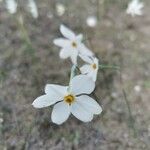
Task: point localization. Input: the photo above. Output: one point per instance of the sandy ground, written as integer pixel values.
(117, 39)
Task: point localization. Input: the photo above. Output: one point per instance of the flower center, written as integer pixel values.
(69, 99)
(94, 66)
(74, 44)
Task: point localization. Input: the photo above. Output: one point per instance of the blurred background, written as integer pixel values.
(29, 60)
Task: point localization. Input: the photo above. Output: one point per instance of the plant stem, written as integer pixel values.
(130, 113)
(131, 119)
(108, 67)
(24, 33)
(73, 69)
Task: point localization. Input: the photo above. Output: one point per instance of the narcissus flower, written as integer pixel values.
(70, 99)
(134, 8)
(91, 68)
(71, 45)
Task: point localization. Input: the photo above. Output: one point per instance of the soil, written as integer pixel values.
(26, 66)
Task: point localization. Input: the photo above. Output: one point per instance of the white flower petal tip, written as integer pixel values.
(81, 113)
(42, 101)
(90, 104)
(60, 113)
(61, 42)
(66, 32)
(82, 84)
(135, 8)
(91, 68)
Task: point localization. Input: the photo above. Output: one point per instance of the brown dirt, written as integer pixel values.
(117, 39)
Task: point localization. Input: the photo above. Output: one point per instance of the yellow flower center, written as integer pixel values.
(94, 66)
(74, 44)
(69, 99)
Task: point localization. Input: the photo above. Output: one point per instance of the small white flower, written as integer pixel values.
(32, 7)
(70, 100)
(91, 21)
(11, 6)
(137, 88)
(60, 9)
(71, 45)
(90, 69)
(134, 8)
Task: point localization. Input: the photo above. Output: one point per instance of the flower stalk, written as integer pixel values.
(24, 34)
(108, 67)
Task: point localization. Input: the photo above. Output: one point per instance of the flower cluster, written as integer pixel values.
(73, 99)
(72, 47)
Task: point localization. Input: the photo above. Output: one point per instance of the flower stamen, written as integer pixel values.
(69, 99)
(94, 66)
(74, 44)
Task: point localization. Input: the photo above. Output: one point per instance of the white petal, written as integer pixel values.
(80, 112)
(96, 61)
(93, 75)
(60, 113)
(86, 58)
(73, 56)
(79, 37)
(56, 92)
(64, 53)
(61, 42)
(84, 50)
(11, 5)
(82, 84)
(43, 101)
(66, 32)
(86, 69)
(90, 104)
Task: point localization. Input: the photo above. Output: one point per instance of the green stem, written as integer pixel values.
(24, 33)
(98, 10)
(131, 119)
(73, 69)
(130, 113)
(108, 67)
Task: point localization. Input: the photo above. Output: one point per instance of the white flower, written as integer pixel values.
(137, 88)
(71, 45)
(11, 6)
(91, 21)
(90, 69)
(60, 9)
(134, 8)
(70, 100)
(32, 7)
